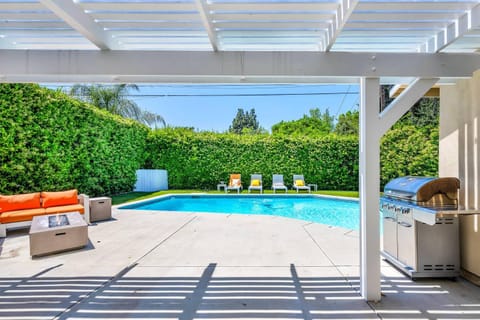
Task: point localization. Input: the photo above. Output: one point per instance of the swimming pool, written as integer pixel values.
(330, 211)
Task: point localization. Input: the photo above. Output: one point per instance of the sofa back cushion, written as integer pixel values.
(19, 202)
(59, 198)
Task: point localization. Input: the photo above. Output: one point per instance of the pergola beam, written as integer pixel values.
(455, 30)
(344, 11)
(207, 22)
(74, 16)
(214, 67)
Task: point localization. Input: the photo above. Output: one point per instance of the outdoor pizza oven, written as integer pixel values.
(420, 229)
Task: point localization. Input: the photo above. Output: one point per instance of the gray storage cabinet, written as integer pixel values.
(100, 209)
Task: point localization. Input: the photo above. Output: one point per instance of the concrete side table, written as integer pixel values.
(220, 186)
(100, 209)
(312, 185)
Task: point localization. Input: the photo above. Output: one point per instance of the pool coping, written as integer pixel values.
(308, 195)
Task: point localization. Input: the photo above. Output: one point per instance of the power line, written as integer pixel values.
(341, 103)
(166, 95)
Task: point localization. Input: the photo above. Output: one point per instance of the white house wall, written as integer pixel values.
(459, 157)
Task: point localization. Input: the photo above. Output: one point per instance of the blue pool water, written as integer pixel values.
(335, 212)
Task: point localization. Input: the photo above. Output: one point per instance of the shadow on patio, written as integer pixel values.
(214, 297)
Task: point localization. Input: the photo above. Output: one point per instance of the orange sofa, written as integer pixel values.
(17, 211)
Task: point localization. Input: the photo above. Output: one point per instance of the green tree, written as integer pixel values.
(426, 112)
(114, 99)
(316, 124)
(245, 122)
(347, 123)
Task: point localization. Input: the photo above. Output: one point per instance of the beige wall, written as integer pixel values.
(460, 157)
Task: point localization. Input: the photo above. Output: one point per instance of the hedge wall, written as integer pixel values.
(50, 141)
(201, 160)
(409, 150)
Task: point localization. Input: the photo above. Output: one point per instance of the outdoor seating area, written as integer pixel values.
(256, 184)
(17, 211)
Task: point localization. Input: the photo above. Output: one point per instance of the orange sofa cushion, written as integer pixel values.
(20, 202)
(21, 215)
(63, 209)
(59, 198)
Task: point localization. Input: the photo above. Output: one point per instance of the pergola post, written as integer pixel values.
(373, 125)
(369, 189)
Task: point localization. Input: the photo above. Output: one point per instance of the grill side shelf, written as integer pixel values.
(425, 215)
(458, 212)
(430, 216)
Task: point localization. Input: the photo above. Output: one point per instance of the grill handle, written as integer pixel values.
(404, 224)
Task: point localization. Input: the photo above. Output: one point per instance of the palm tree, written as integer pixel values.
(114, 99)
(153, 120)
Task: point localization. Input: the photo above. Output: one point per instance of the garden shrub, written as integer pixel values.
(50, 141)
(202, 159)
(409, 150)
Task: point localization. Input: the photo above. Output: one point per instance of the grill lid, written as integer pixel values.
(422, 189)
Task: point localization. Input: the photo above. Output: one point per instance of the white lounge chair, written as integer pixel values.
(277, 183)
(299, 183)
(256, 183)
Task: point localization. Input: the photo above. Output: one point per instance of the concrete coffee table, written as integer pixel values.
(57, 232)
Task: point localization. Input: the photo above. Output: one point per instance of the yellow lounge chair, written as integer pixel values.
(256, 183)
(299, 183)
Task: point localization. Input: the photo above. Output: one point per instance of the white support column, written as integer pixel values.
(373, 126)
(369, 189)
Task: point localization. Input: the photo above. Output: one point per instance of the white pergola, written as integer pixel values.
(414, 42)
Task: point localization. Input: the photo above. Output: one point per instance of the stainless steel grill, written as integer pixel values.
(418, 237)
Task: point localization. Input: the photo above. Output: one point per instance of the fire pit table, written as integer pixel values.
(57, 232)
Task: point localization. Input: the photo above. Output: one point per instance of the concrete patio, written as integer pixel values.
(158, 265)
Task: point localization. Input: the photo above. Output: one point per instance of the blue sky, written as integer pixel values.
(213, 107)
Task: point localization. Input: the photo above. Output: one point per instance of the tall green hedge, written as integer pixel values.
(50, 141)
(201, 160)
(409, 150)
